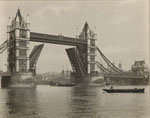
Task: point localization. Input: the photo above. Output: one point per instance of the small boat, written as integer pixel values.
(135, 90)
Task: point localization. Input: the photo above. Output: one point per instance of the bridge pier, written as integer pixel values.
(5, 81)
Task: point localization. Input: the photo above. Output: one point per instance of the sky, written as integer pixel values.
(122, 28)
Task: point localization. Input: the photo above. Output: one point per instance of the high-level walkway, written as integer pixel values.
(56, 39)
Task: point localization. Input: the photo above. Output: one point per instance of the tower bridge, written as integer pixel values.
(22, 65)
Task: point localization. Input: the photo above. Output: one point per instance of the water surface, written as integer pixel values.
(82, 101)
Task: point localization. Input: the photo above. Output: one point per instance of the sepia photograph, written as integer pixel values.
(74, 59)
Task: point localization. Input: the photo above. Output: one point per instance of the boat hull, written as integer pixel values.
(124, 90)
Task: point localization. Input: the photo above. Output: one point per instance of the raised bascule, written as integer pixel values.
(21, 69)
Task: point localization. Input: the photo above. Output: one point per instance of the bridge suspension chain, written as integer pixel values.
(111, 65)
(105, 70)
(5, 45)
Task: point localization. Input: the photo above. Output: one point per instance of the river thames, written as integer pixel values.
(81, 101)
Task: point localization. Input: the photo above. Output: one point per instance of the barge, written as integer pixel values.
(135, 90)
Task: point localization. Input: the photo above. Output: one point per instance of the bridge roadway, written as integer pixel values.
(56, 39)
(121, 76)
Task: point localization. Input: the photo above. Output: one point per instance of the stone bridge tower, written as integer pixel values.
(18, 36)
(91, 48)
(18, 31)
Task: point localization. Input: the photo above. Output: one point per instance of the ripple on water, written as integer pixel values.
(72, 102)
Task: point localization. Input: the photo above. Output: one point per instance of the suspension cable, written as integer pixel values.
(109, 63)
(103, 68)
(5, 45)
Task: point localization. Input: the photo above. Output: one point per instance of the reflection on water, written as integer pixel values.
(20, 102)
(82, 101)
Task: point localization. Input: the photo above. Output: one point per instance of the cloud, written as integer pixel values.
(57, 9)
(112, 49)
(127, 2)
(118, 20)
